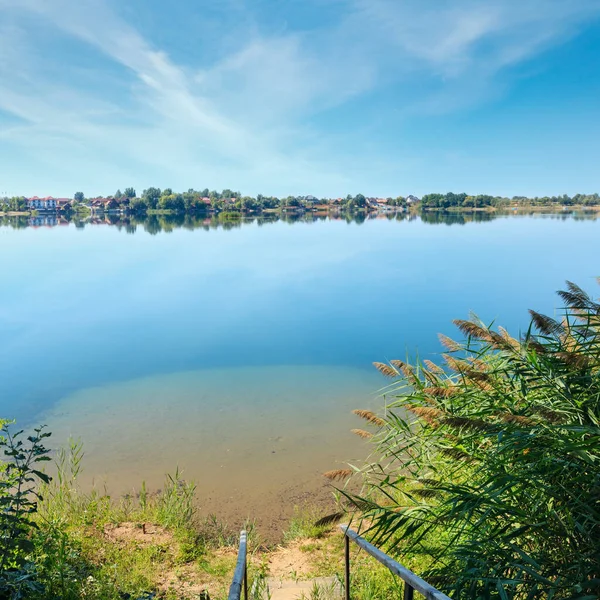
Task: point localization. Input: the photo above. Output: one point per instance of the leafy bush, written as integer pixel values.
(18, 503)
(489, 465)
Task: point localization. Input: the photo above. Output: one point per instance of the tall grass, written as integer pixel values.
(488, 467)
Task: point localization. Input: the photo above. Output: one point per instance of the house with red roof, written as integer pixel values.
(47, 203)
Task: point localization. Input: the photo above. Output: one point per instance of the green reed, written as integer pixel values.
(488, 464)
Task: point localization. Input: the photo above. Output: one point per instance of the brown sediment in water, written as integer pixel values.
(255, 441)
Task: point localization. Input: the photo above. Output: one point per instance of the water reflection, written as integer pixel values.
(154, 224)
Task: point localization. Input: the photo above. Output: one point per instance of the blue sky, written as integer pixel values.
(324, 97)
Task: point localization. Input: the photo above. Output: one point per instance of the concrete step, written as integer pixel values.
(317, 588)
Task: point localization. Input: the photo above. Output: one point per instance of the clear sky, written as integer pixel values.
(323, 97)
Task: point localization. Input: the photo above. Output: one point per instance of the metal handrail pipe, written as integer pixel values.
(413, 580)
(240, 575)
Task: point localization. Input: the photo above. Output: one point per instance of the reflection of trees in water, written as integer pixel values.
(154, 224)
(457, 218)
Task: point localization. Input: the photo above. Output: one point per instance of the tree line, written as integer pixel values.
(193, 201)
(463, 200)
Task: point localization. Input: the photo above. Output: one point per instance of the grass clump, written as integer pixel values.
(488, 464)
(306, 523)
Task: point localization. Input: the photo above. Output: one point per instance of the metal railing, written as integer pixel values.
(240, 575)
(412, 582)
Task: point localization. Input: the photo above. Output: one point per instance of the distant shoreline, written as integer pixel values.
(557, 209)
(321, 210)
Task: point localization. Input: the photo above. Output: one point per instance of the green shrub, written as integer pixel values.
(18, 504)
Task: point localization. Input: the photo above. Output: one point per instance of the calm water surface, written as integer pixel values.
(238, 354)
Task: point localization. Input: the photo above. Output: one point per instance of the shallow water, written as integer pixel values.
(238, 354)
(252, 438)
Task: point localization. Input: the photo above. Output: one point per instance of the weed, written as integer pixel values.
(303, 525)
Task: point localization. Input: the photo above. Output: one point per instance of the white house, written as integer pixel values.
(36, 203)
(410, 199)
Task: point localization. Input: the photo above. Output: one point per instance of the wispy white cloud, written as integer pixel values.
(245, 118)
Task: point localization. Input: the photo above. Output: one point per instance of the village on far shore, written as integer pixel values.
(213, 203)
(156, 201)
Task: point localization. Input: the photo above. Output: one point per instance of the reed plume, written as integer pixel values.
(477, 375)
(575, 297)
(386, 370)
(511, 341)
(535, 345)
(441, 392)
(473, 330)
(407, 370)
(459, 366)
(427, 413)
(478, 364)
(545, 324)
(431, 378)
(362, 433)
(517, 419)
(573, 359)
(449, 343)
(433, 367)
(369, 416)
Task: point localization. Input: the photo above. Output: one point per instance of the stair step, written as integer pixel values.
(317, 588)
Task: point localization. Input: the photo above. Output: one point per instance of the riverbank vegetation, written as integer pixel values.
(205, 201)
(488, 462)
(480, 201)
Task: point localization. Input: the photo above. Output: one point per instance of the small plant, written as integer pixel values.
(18, 504)
(306, 523)
(176, 502)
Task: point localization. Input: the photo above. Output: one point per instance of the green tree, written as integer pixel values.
(79, 197)
(360, 201)
(151, 196)
(129, 192)
(138, 205)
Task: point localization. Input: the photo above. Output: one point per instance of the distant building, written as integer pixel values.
(311, 199)
(47, 203)
(410, 199)
(104, 204)
(377, 202)
(63, 203)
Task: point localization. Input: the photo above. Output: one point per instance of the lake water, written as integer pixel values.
(238, 352)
